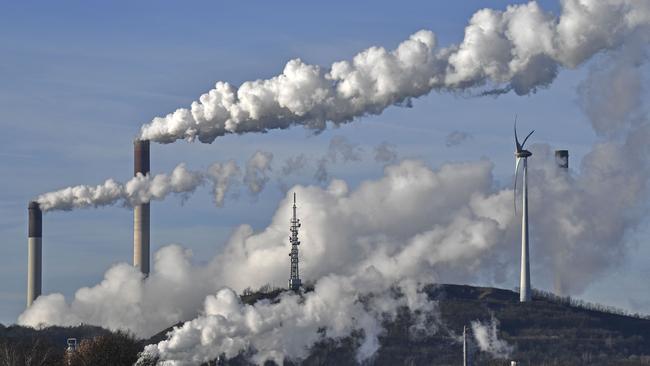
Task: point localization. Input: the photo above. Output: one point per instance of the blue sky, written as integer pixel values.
(78, 79)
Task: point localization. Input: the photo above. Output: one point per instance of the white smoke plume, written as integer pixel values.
(288, 327)
(322, 174)
(487, 338)
(146, 188)
(295, 164)
(340, 149)
(257, 171)
(613, 177)
(140, 189)
(397, 242)
(223, 174)
(451, 224)
(519, 49)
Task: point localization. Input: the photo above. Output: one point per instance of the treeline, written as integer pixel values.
(21, 346)
(584, 305)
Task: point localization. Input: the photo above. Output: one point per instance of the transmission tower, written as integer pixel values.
(294, 278)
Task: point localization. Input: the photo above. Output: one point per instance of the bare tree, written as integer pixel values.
(116, 349)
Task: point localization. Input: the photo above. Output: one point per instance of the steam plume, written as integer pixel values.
(223, 175)
(428, 226)
(140, 189)
(345, 263)
(145, 188)
(519, 49)
(340, 149)
(487, 338)
(257, 171)
(294, 164)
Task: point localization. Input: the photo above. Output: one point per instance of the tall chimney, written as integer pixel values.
(34, 252)
(141, 212)
(562, 163)
(562, 158)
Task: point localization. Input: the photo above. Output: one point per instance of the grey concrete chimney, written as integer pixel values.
(141, 212)
(34, 252)
(562, 158)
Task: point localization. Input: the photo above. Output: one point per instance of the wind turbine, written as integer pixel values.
(522, 154)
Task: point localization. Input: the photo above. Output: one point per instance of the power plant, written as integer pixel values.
(141, 212)
(34, 252)
(141, 226)
(521, 154)
(294, 277)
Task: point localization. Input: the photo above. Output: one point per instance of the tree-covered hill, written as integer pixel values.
(550, 330)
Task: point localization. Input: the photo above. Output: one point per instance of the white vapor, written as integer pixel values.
(394, 243)
(223, 175)
(140, 189)
(451, 224)
(286, 328)
(519, 49)
(487, 338)
(340, 149)
(146, 188)
(294, 164)
(257, 171)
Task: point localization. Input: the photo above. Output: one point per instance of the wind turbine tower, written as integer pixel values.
(522, 155)
(294, 278)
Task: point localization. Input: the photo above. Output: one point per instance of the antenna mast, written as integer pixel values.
(294, 278)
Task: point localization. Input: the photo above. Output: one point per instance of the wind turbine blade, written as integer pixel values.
(516, 138)
(514, 192)
(524, 143)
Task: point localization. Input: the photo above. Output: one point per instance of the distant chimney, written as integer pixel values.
(141, 212)
(562, 163)
(34, 252)
(562, 158)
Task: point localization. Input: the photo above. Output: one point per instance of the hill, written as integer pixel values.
(550, 330)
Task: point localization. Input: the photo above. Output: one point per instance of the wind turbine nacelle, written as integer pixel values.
(523, 154)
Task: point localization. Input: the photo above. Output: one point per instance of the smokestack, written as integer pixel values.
(34, 252)
(562, 158)
(562, 163)
(141, 212)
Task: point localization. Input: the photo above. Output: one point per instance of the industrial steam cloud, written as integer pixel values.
(519, 49)
(143, 188)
